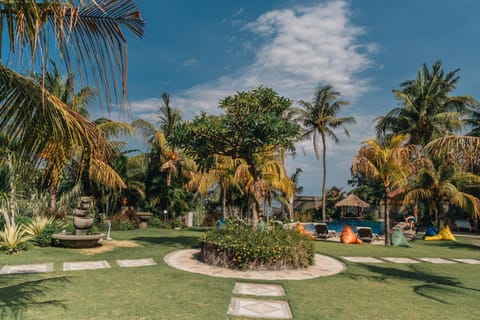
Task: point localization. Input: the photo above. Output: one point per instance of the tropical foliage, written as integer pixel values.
(254, 122)
(238, 246)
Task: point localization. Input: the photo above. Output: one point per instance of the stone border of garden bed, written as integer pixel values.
(188, 260)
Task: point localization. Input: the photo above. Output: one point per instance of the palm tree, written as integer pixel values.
(440, 181)
(58, 153)
(168, 156)
(426, 109)
(221, 175)
(388, 162)
(320, 118)
(89, 38)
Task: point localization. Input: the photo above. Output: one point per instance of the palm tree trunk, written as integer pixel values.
(324, 182)
(387, 220)
(224, 202)
(53, 200)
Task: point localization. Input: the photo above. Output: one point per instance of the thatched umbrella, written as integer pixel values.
(352, 201)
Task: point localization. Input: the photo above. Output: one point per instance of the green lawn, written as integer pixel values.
(364, 291)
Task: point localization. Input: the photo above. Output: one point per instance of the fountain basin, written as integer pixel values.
(143, 217)
(77, 241)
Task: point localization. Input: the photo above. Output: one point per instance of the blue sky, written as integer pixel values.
(202, 51)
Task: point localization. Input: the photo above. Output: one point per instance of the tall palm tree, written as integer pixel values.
(426, 109)
(319, 117)
(388, 162)
(163, 151)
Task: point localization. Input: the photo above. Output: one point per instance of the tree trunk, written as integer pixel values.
(224, 202)
(324, 182)
(387, 220)
(53, 200)
(259, 196)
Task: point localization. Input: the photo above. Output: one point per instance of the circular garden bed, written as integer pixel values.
(238, 246)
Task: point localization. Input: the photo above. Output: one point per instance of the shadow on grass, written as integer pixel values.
(454, 245)
(177, 242)
(17, 298)
(431, 286)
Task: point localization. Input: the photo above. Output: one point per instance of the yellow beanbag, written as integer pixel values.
(444, 234)
(349, 237)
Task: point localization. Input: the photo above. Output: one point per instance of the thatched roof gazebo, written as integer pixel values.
(352, 201)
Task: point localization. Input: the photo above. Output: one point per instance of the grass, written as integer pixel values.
(364, 291)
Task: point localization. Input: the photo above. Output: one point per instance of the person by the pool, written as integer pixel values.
(411, 220)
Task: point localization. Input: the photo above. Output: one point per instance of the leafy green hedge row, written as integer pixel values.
(238, 246)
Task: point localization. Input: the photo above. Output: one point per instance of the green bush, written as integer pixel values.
(156, 222)
(238, 246)
(44, 237)
(122, 225)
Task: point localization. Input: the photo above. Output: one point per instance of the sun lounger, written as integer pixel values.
(321, 231)
(463, 224)
(366, 234)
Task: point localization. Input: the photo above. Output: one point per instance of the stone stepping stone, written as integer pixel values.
(27, 268)
(136, 262)
(468, 261)
(363, 259)
(400, 260)
(436, 260)
(85, 265)
(258, 289)
(257, 308)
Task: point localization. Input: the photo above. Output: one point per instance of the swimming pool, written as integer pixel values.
(337, 225)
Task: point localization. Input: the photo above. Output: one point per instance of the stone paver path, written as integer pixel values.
(258, 289)
(363, 259)
(27, 268)
(256, 308)
(400, 260)
(85, 265)
(468, 261)
(187, 260)
(136, 263)
(436, 260)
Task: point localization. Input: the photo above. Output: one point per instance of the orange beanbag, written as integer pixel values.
(299, 227)
(349, 237)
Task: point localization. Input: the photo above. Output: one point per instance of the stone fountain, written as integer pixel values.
(82, 224)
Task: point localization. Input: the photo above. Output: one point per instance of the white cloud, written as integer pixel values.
(299, 49)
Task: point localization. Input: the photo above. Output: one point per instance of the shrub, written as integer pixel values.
(156, 222)
(122, 225)
(13, 239)
(238, 246)
(41, 229)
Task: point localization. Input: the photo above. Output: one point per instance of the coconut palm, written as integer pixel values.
(426, 109)
(90, 40)
(388, 162)
(442, 181)
(164, 155)
(221, 175)
(319, 117)
(57, 154)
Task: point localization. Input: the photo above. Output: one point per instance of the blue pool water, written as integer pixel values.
(337, 225)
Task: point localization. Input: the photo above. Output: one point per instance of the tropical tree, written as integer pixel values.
(441, 181)
(221, 175)
(164, 155)
(319, 117)
(426, 109)
(90, 40)
(390, 163)
(254, 122)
